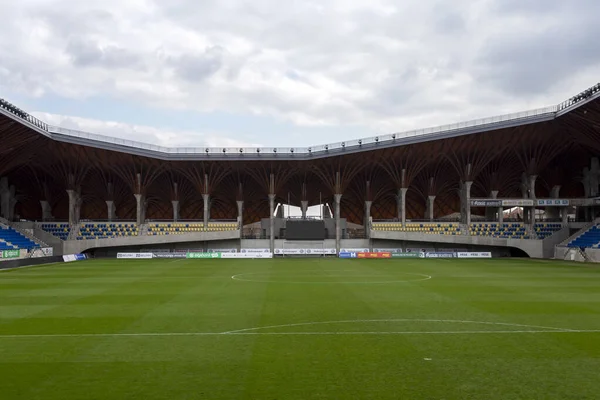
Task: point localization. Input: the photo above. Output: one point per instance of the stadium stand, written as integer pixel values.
(181, 228)
(500, 231)
(11, 239)
(544, 231)
(106, 231)
(61, 231)
(428, 228)
(590, 238)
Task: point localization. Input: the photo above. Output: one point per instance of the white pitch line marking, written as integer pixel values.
(174, 334)
(237, 278)
(398, 320)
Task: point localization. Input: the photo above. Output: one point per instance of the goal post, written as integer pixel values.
(296, 248)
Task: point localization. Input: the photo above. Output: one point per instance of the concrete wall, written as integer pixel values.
(79, 246)
(593, 255)
(329, 244)
(533, 248)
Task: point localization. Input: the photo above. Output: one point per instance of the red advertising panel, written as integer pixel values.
(374, 255)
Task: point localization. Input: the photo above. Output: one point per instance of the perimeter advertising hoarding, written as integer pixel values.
(481, 254)
(74, 257)
(374, 255)
(134, 255)
(440, 255)
(169, 255)
(407, 255)
(11, 253)
(203, 255)
(247, 255)
(304, 251)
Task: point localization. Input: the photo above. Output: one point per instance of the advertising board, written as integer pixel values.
(134, 255)
(247, 255)
(486, 203)
(347, 254)
(11, 253)
(481, 254)
(255, 251)
(553, 202)
(203, 255)
(440, 255)
(407, 255)
(304, 251)
(374, 255)
(169, 255)
(74, 257)
(517, 203)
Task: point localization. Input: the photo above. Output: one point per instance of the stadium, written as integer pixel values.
(449, 250)
(515, 184)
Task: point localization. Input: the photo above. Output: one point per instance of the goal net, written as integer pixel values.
(298, 248)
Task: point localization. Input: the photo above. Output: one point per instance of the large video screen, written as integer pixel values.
(305, 230)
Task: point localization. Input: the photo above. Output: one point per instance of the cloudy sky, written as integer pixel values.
(295, 73)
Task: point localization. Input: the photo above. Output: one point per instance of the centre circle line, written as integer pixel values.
(238, 277)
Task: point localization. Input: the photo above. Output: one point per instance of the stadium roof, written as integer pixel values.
(299, 153)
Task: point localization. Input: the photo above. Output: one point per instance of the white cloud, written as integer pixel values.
(143, 134)
(382, 65)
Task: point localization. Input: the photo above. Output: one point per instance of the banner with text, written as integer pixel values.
(440, 255)
(374, 255)
(203, 255)
(486, 203)
(304, 251)
(518, 203)
(408, 255)
(481, 254)
(553, 202)
(11, 253)
(134, 255)
(255, 251)
(247, 255)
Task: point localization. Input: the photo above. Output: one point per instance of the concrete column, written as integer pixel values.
(368, 205)
(176, 209)
(240, 209)
(206, 198)
(4, 197)
(338, 229)
(564, 212)
(554, 212)
(326, 213)
(111, 210)
(402, 205)
(429, 208)
(490, 213)
(46, 211)
(272, 222)
(141, 208)
(465, 203)
(12, 202)
(594, 177)
(304, 207)
(74, 202)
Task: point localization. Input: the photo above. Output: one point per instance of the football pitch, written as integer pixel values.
(301, 329)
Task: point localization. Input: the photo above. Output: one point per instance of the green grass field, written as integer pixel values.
(301, 329)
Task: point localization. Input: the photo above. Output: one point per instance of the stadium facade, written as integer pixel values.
(451, 184)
